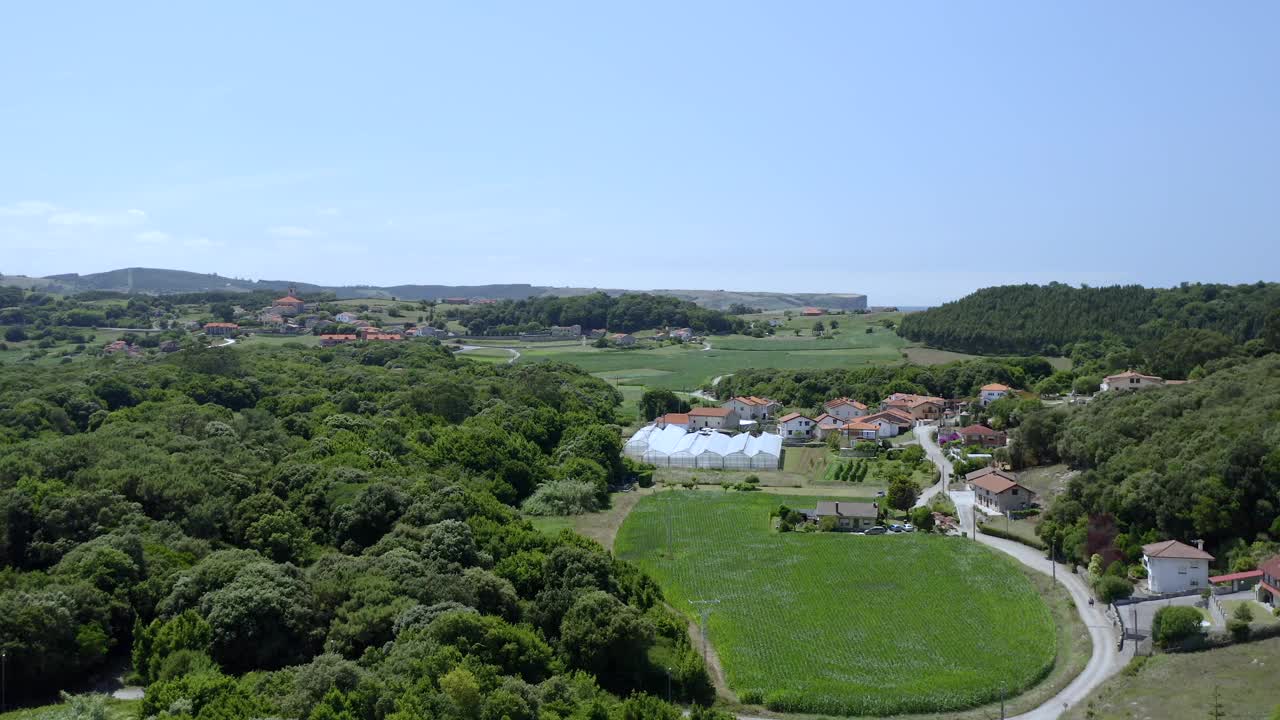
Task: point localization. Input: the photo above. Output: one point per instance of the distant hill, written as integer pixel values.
(156, 281)
(1030, 319)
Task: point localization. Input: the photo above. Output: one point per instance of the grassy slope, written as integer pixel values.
(1180, 686)
(116, 710)
(826, 617)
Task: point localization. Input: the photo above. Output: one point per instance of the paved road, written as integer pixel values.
(515, 354)
(1106, 659)
(926, 433)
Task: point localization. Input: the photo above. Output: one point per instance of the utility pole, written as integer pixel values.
(1001, 701)
(704, 607)
(4, 680)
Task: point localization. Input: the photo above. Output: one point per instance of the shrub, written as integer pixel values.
(1239, 629)
(1243, 612)
(562, 497)
(1111, 588)
(1135, 665)
(828, 524)
(1174, 624)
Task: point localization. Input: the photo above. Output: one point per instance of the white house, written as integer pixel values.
(1130, 380)
(1173, 566)
(750, 407)
(795, 426)
(714, 418)
(844, 408)
(889, 423)
(992, 392)
(345, 318)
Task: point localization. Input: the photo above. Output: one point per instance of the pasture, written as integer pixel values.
(844, 624)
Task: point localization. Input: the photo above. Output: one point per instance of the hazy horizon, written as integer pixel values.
(909, 152)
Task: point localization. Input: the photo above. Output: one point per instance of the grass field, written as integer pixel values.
(1181, 686)
(844, 624)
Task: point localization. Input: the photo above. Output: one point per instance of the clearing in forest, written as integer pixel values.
(843, 624)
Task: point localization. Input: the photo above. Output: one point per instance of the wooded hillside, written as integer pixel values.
(1200, 460)
(322, 533)
(625, 313)
(1048, 319)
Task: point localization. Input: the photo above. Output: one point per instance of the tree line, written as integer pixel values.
(870, 385)
(323, 533)
(625, 313)
(1165, 331)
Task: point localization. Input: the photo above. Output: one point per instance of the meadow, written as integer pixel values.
(843, 624)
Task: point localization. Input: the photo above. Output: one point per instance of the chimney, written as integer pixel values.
(1200, 545)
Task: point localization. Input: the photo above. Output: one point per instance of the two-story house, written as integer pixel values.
(794, 426)
(1174, 566)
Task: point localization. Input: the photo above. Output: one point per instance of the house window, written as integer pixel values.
(1182, 569)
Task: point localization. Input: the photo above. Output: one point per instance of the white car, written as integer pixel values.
(908, 528)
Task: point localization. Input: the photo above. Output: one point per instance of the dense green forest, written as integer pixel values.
(322, 533)
(624, 313)
(810, 388)
(1200, 460)
(1052, 319)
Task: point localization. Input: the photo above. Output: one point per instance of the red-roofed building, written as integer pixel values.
(331, 340)
(891, 422)
(844, 408)
(1238, 581)
(383, 337)
(860, 431)
(1174, 566)
(750, 407)
(1269, 585)
(1130, 380)
(221, 328)
(812, 312)
(680, 420)
(992, 392)
(982, 435)
(794, 426)
(920, 407)
(289, 304)
(716, 418)
(999, 490)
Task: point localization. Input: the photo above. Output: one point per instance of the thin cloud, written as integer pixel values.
(27, 208)
(202, 242)
(291, 231)
(76, 218)
(152, 237)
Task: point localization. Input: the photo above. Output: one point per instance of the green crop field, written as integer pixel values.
(844, 624)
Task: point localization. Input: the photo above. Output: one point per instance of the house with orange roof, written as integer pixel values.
(750, 407)
(982, 435)
(998, 490)
(622, 339)
(857, 430)
(289, 304)
(336, 339)
(844, 408)
(794, 426)
(992, 392)
(1130, 380)
(919, 407)
(680, 420)
(889, 423)
(221, 328)
(716, 418)
(825, 424)
(812, 312)
(1269, 583)
(1174, 567)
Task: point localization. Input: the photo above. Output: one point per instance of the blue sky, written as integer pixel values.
(910, 151)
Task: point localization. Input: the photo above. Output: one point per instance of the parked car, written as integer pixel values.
(895, 527)
(908, 528)
(877, 530)
(879, 493)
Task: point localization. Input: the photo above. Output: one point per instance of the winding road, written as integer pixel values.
(515, 354)
(1106, 659)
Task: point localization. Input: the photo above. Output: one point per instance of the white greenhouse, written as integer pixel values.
(673, 447)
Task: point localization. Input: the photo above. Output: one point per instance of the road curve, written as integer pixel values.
(1105, 661)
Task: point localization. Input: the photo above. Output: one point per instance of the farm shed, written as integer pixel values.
(673, 447)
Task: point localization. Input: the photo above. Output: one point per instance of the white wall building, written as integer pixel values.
(795, 426)
(1173, 566)
(1130, 380)
(992, 392)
